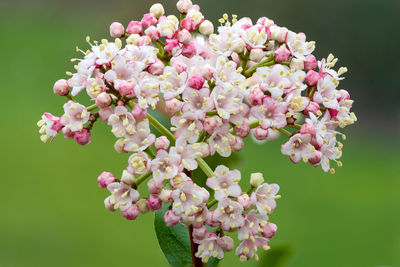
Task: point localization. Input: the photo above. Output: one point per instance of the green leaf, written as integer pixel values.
(277, 256)
(174, 241)
(213, 262)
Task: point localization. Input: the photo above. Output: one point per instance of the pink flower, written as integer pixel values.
(221, 140)
(171, 83)
(139, 163)
(268, 229)
(187, 199)
(165, 165)
(248, 248)
(122, 196)
(187, 126)
(225, 183)
(298, 147)
(229, 214)
(171, 218)
(49, 126)
(75, 116)
(153, 33)
(122, 122)
(209, 247)
(264, 198)
(188, 24)
(187, 152)
(251, 225)
(271, 113)
(274, 79)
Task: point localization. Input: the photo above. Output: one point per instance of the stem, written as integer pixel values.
(69, 96)
(142, 178)
(296, 126)
(283, 131)
(193, 248)
(212, 203)
(267, 62)
(92, 107)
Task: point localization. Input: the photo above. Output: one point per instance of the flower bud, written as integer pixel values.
(256, 179)
(157, 10)
(316, 158)
(188, 24)
(173, 106)
(256, 54)
(211, 123)
(312, 78)
(105, 178)
(243, 130)
(189, 50)
(128, 178)
(226, 243)
(278, 33)
(184, 36)
(196, 82)
(312, 107)
(157, 68)
(165, 195)
(310, 63)
(269, 230)
(296, 64)
(237, 144)
(108, 205)
(153, 186)
(154, 202)
(200, 232)
(204, 149)
(117, 30)
(133, 39)
(82, 137)
(238, 45)
(206, 27)
(153, 33)
(179, 66)
(143, 41)
(149, 20)
(171, 218)
(105, 113)
(183, 6)
(281, 54)
(245, 201)
(256, 97)
(61, 87)
(162, 142)
(260, 133)
(134, 27)
(125, 88)
(171, 45)
(308, 129)
(142, 206)
(139, 113)
(103, 100)
(131, 213)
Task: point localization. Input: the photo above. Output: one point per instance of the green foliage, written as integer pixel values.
(277, 256)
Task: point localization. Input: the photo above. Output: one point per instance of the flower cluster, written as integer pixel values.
(247, 78)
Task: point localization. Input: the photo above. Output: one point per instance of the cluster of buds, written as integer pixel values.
(256, 79)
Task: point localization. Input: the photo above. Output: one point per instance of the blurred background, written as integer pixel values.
(52, 211)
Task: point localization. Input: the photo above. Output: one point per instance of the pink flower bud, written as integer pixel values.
(179, 66)
(308, 129)
(143, 41)
(312, 107)
(344, 95)
(200, 232)
(333, 112)
(189, 50)
(142, 206)
(157, 68)
(260, 133)
(211, 123)
(153, 186)
(162, 142)
(68, 133)
(171, 218)
(171, 45)
(310, 63)
(257, 54)
(149, 20)
(243, 130)
(184, 5)
(316, 158)
(165, 195)
(154, 202)
(131, 213)
(184, 37)
(139, 113)
(206, 27)
(269, 230)
(105, 113)
(188, 24)
(105, 178)
(245, 201)
(196, 82)
(134, 27)
(103, 100)
(125, 88)
(117, 30)
(82, 137)
(256, 97)
(312, 78)
(238, 144)
(226, 243)
(173, 106)
(61, 87)
(153, 33)
(281, 54)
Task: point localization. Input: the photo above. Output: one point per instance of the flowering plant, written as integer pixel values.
(216, 89)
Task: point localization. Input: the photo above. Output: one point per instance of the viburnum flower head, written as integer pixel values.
(212, 86)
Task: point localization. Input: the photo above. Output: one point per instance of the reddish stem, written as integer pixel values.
(194, 247)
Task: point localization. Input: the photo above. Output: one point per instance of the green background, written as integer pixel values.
(52, 211)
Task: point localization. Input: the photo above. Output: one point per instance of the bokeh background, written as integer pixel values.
(52, 212)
